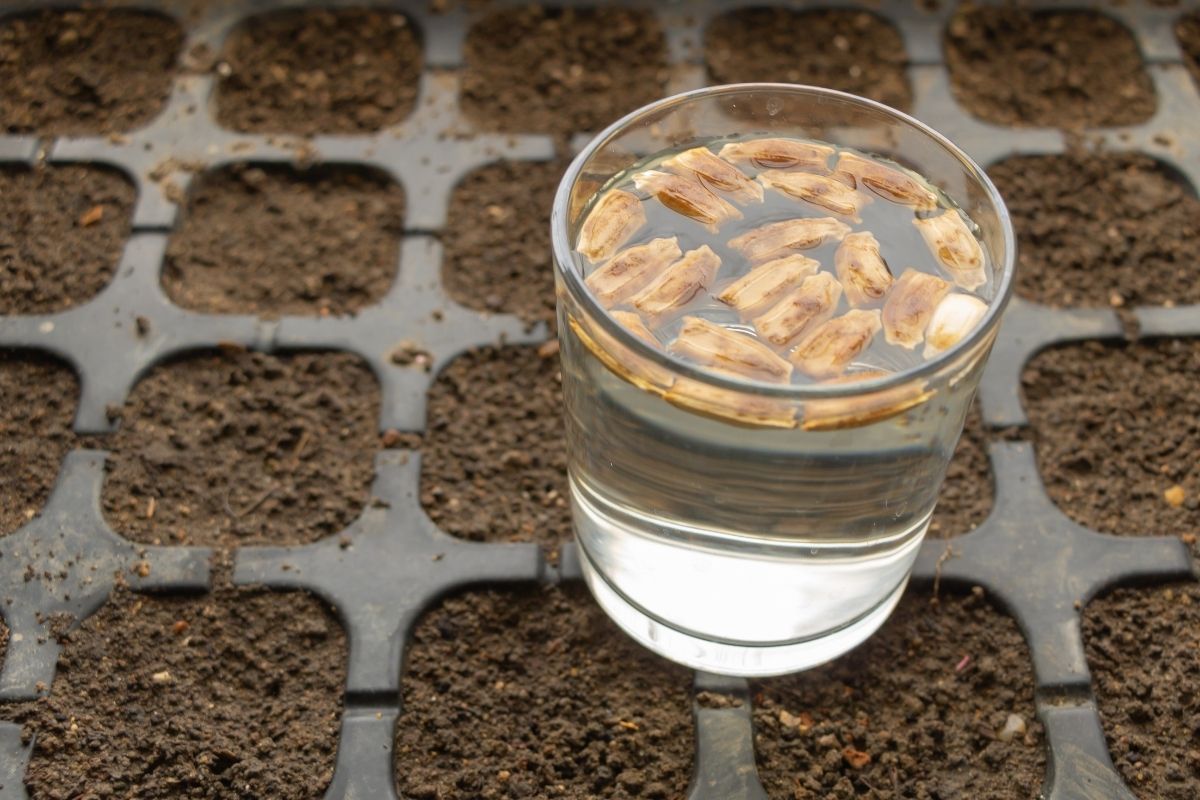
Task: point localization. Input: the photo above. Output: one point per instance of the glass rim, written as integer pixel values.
(564, 259)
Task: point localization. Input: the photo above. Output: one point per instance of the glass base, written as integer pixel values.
(723, 658)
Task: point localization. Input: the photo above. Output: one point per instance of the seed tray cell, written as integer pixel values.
(392, 562)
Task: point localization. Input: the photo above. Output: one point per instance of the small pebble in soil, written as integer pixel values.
(1117, 428)
(1069, 69)
(894, 718)
(85, 71)
(246, 704)
(319, 71)
(240, 447)
(558, 703)
(1141, 646)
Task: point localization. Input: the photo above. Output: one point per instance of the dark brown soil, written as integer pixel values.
(85, 72)
(3, 642)
(536, 694)
(1117, 428)
(1067, 69)
(230, 695)
(854, 51)
(61, 234)
(967, 494)
(912, 713)
(276, 240)
(1188, 31)
(309, 72)
(1141, 647)
(561, 71)
(498, 239)
(1101, 230)
(240, 448)
(494, 461)
(37, 404)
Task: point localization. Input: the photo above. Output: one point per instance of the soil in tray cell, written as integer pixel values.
(239, 448)
(967, 493)
(561, 71)
(937, 704)
(1102, 230)
(1117, 429)
(322, 71)
(1141, 648)
(1067, 69)
(494, 462)
(535, 693)
(1188, 31)
(277, 240)
(497, 239)
(854, 51)
(37, 403)
(61, 234)
(81, 72)
(231, 694)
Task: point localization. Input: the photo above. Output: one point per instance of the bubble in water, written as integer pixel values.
(772, 107)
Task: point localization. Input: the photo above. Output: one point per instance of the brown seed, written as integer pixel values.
(779, 154)
(819, 190)
(615, 218)
(762, 286)
(801, 310)
(890, 183)
(629, 271)
(730, 352)
(829, 349)
(847, 412)
(910, 306)
(955, 247)
(688, 197)
(955, 317)
(729, 405)
(700, 164)
(861, 269)
(778, 239)
(678, 285)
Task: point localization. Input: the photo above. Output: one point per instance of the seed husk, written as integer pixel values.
(819, 190)
(678, 285)
(890, 183)
(731, 406)
(910, 306)
(829, 349)
(778, 239)
(774, 153)
(631, 270)
(688, 197)
(861, 269)
(723, 350)
(762, 286)
(615, 218)
(955, 248)
(700, 164)
(801, 310)
(954, 318)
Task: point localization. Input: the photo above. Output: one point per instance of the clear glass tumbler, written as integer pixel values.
(741, 527)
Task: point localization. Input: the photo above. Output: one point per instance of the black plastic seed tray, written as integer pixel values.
(393, 561)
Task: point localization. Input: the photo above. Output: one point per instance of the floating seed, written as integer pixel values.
(700, 164)
(860, 409)
(615, 218)
(955, 248)
(779, 154)
(729, 405)
(682, 281)
(910, 306)
(688, 197)
(829, 349)
(779, 239)
(633, 323)
(762, 286)
(955, 317)
(890, 183)
(820, 190)
(861, 269)
(801, 310)
(619, 357)
(628, 272)
(730, 352)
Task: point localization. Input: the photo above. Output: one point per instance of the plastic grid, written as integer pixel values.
(393, 561)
